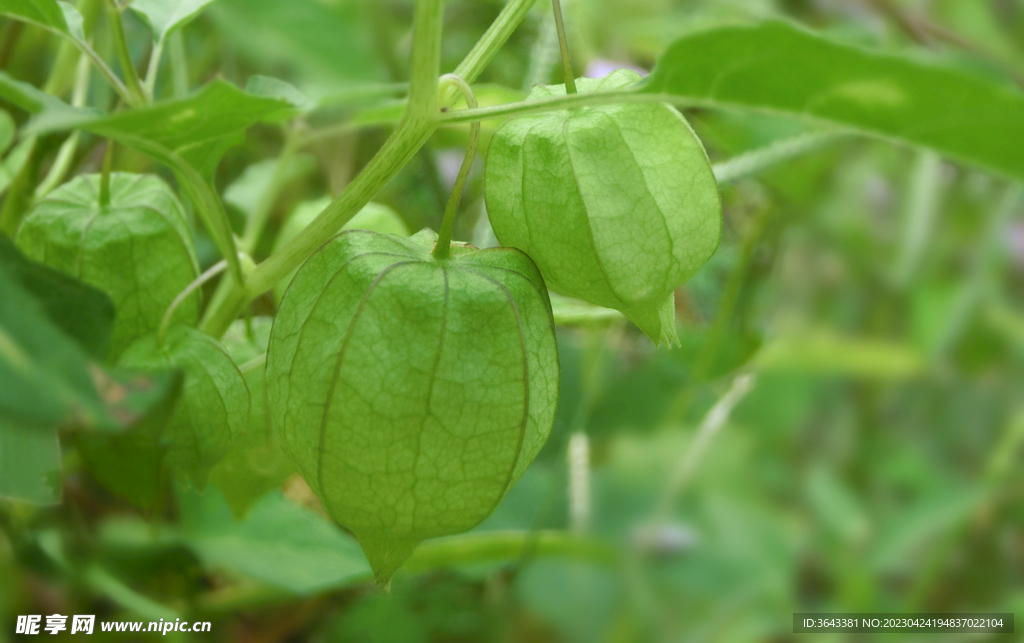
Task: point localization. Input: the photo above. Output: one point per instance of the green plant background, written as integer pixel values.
(875, 292)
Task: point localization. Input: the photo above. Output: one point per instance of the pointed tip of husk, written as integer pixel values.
(658, 323)
(386, 556)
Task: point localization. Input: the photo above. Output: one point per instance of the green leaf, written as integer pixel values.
(34, 101)
(256, 464)
(411, 393)
(138, 249)
(164, 16)
(83, 312)
(591, 195)
(781, 68)
(199, 128)
(279, 90)
(46, 378)
(30, 464)
(279, 543)
(45, 13)
(214, 409)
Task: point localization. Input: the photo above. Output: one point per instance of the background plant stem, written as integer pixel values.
(138, 97)
(563, 46)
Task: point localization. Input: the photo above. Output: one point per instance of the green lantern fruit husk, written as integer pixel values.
(138, 249)
(255, 464)
(617, 204)
(411, 392)
(214, 407)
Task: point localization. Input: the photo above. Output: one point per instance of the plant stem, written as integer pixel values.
(123, 55)
(713, 421)
(507, 545)
(759, 160)
(153, 68)
(426, 59)
(179, 64)
(563, 45)
(923, 207)
(108, 163)
(442, 250)
(197, 283)
(67, 150)
(418, 124)
(401, 146)
(396, 152)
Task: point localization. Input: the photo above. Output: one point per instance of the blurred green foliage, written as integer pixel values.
(877, 293)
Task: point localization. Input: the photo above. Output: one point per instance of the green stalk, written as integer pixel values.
(759, 160)
(426, 60)
(179, 64)
(123, 55)
(563, 46)
(67, 151)
(442, 249)
(153, 68)
(108, 164)
(419, 123)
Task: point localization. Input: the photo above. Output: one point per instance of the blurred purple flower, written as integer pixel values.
(600, 68)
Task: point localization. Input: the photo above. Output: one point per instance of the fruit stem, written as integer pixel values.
(108, 163)
(442, 249)
(138, 96)
(197, 283)
(563, 45)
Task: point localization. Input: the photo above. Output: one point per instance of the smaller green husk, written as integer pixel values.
(214, 408)
(138, 249)
(411, 392)
(617, 204)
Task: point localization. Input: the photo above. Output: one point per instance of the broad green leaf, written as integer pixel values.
(138, 249)
(45, 13)
(594, 197)
(779, 67)
(29, 464)
(256, 464)
(47, 380)
(164, 16)
(279, 543)
(214, 409)
(280, 90)
(46, 377)
(374, 217)
(199, 128)
(410, 392)
(45, 106)
(85, 313)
